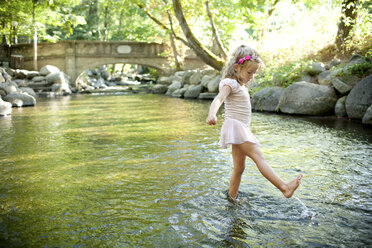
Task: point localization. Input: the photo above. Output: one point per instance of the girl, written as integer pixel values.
(235, 131)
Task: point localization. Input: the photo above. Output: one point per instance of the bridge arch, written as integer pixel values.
(95, 64)
(74, 57)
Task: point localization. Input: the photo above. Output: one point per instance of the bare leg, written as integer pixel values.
(239, 166)
(253, 151)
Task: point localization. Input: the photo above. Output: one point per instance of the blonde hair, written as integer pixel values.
(241, 52)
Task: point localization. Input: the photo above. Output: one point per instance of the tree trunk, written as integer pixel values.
(92, 18)
(105, 35)
(177, 60)
(122, 70)
(4, 36)
(35, 37)
(203, 53)
(349, 14)
(175, 53)
(121, 20)
(216, 37)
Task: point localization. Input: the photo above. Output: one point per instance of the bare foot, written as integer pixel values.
(292, 186)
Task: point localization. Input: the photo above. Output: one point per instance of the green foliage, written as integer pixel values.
(361, 70)
(282, 76)
(153, 72)
(237, 22)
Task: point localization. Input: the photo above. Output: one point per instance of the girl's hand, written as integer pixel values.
(211, 120)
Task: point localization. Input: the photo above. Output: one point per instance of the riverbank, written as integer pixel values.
(336, 88)
(331, 89)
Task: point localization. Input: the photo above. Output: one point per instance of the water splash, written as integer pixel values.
(306, 212)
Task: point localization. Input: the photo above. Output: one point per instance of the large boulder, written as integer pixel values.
(32, 74)
(46, 70)
(196, 78)
(2, 79)
(267, 99)
(205, 80)
(340, 86)
(61, 88)
(186, 76)
(164, 80)
(214, 84)
(21, 74)
(5, 107)
(21, 82)
(175, 86)
(9, 88)
(7, 77)
(38, 79)
(55, 78)
(29, 91)
(325, 77)
(308, 99)
(159, 89)
(175, 78)
(367, 118)
(193, 91)
(20, 99)
(359, 99)
(179, 92)
(304, 77)
(315, 68)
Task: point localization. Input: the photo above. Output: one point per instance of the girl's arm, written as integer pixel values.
(217, 102)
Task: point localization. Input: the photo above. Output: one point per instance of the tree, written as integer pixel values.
(216, 38)
(349, 14)
(203, 53)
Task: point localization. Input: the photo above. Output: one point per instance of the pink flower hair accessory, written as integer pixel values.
(248, 57)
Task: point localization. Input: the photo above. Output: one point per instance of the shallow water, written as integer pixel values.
(145, 171)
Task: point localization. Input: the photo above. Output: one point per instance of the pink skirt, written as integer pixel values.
(235, 132)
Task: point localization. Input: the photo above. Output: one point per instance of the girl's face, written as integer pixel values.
(246, 73)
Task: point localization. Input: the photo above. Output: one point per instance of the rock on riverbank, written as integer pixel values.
(20, 88)
(192, 84)
(335, 91)
(322, 90)
(100, 81)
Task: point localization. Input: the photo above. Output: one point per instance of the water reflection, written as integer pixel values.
(145, 171)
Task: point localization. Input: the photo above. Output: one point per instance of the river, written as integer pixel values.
(146, 171)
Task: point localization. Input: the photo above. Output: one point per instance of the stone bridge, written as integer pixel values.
(74, 57)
